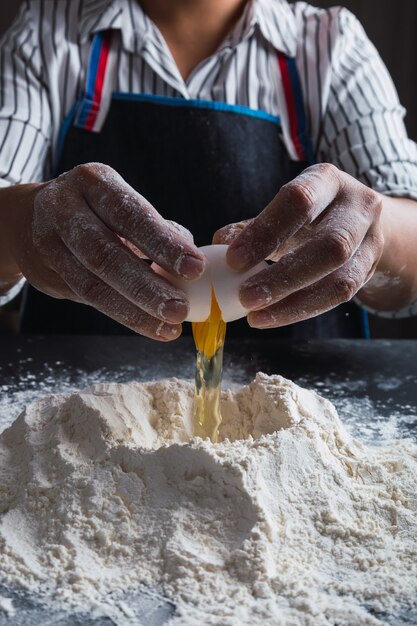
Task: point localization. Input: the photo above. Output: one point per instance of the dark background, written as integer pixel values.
(392, 26)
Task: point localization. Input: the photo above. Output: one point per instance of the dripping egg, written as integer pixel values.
(214, 301)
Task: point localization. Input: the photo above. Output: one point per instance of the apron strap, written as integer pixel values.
(295, 130)
(293, 112)
(93, 108)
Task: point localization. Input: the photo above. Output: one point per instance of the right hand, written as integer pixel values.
(84, 237)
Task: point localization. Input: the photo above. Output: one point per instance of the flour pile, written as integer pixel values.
(287, 521)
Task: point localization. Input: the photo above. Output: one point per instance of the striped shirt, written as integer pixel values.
(354, 117)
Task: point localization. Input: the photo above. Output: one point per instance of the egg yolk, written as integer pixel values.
(209, 339)
(209, 335)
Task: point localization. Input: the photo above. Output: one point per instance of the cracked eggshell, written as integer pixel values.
(226, 283)
(198, 292)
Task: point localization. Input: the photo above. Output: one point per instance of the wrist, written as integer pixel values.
(394, 284)
(388, 234)
(16, 204)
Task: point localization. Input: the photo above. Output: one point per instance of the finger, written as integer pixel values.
(104, 254)
(130, 215)
(181, 229)
(297, 203)
(90, 290)
(228, 233)
(340, 286)
(330, 246)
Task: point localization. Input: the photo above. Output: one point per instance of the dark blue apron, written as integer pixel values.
(203, 164)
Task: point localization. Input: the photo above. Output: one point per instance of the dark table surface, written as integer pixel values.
(372, 383)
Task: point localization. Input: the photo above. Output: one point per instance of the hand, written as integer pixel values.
(82, 238)
(323, 231)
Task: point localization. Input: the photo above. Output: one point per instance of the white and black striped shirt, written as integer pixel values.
(355, 119)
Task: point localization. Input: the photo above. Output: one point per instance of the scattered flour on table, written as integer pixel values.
(6, 606)
(287, 521)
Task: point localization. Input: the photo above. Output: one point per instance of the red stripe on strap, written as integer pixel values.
(98, 88)
(291, 105)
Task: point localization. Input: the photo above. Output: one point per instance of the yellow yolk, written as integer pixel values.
(209, 335)
(209, 339)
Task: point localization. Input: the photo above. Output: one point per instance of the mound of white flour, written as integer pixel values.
(286, 521)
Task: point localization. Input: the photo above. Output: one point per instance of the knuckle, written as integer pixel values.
(299, 195)
(131, 212)
(340, 246)
(92, 291)
(103, 260)
(84, 170)
(144, 293)
(371, 203)
(371, 198)
(99, 254)
(344, 288)
(325, 169)
(92, 173)
(91, 169)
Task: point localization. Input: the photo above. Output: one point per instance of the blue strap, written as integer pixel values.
(366, 328)
(87, 101)
(198, 104)
(303, 134)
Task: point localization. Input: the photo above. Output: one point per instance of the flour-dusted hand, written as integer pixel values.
(324, 233)
(82, 239)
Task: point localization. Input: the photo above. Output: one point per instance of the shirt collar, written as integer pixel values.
(274, 19)
(100, 15)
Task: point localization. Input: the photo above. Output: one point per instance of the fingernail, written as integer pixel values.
(255, 296)
(174, 311)
(191, 267)
(166, 331)
(238, 258)
(260, 319)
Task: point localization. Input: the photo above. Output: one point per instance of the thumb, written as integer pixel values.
(227, 234)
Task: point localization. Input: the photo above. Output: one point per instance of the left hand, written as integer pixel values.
(323, 230)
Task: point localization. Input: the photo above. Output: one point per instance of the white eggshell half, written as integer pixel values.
(197, 291)
(227, 282)
(217, 274)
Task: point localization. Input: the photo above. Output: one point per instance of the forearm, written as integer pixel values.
(394, 284)
(15, 204)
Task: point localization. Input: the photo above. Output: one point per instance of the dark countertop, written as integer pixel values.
(365, 379)
(372, 383)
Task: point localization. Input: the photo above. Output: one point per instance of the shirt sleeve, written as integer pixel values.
(408, 311)
(12, 293)
(25, 116)
(363, 131)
